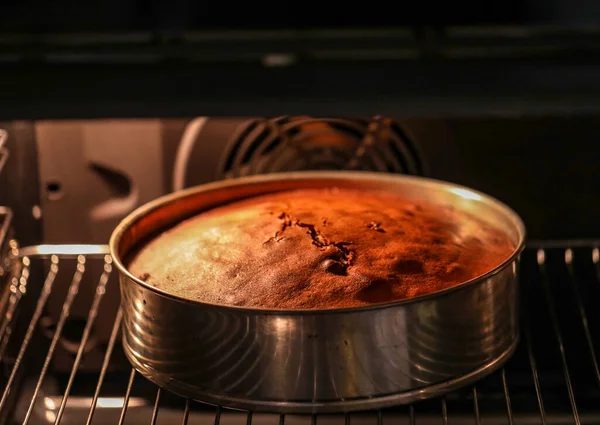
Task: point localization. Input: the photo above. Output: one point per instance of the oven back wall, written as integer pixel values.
(92, 173)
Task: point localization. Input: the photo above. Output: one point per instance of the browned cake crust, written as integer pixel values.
(320, 249)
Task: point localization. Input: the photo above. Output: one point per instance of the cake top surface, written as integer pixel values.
(320, 249)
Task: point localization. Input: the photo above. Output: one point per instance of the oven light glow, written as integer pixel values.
(569, 256)
(49, 403)
(50, 416)
(110, 402)
(466, 194)
(281, 324)
(117, 402)
(70, 249)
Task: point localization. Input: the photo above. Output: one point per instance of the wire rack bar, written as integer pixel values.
(186, 414)
(127, 397)
(155, 410)
(444, 412)
(534, 372)
(583, 316)
(562, 244)
(6, 217)
(3, 149)
(46, 290)
(109, 350)
(93, 313)
(541, 260)
(476, 406)
(509, 413)
(17, 287)
(218, 415)
(73, 290)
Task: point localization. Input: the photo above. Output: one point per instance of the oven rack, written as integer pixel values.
(5, 213)
(553, 377)
(6, 217)
(3, 149)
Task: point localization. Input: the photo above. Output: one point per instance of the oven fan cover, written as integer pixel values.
(262, 146)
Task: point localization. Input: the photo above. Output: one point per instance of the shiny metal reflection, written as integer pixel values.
(318, 360)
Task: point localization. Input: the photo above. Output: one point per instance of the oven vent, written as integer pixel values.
(262, 146)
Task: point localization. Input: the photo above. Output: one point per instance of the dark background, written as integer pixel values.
(514, 83)
(67, 58)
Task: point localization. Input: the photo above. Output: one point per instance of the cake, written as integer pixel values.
(320, 249)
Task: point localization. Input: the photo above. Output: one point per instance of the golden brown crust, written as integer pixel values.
(319, 249)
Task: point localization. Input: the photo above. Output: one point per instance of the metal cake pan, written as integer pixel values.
(317, 361)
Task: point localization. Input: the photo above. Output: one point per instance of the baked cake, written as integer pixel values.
(320, 249)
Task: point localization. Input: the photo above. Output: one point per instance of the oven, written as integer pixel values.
(95, 128)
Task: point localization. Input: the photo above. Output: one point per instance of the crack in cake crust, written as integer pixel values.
(343, 255)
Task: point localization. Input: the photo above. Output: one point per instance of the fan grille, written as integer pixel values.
(262, 146)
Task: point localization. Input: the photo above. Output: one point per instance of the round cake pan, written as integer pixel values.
(316, 361)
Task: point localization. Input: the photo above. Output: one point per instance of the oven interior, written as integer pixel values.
(67, 183)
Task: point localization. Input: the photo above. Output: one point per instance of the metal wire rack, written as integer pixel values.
(553, 377)
(5, 213)
(6, 216)
(3, 149)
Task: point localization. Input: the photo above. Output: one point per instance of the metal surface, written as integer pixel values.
(6, 216)
(3, 149)
(530, 381)
(89, 176)
(10, 296)
(450, 148)
(314, 361)
(261, 146)
(19, 182)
